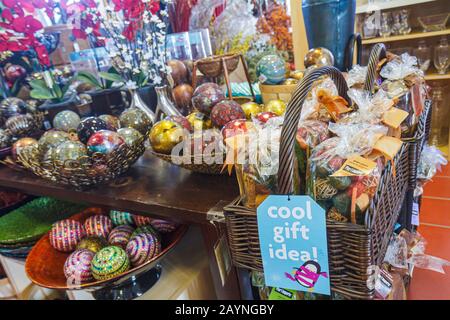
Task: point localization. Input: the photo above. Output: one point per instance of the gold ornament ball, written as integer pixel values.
(251, 109)
(165, 135)
(319, 57)
(94, 244)
(199, 121)
(297, 74)
(276, 106)
(290, 81)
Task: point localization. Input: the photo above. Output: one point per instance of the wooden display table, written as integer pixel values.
(152, 187)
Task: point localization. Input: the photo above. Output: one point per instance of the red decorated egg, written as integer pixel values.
(66, 234)
(77, 267)
(104, 141)
(98, 225)
(206, 96)
(226, 111)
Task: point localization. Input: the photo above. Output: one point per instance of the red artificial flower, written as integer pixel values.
(42, 54)
(154, 7)
(27, 25)
(14, 5)
(7, 15)
(129, 32)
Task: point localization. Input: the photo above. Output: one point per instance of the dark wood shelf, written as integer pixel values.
(151, 187)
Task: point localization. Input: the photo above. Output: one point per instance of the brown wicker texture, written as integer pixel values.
(85, 171)
(195, 164)
(213, 66)
(275, 92)
(353, 249)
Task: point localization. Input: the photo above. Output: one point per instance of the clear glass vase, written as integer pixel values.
(441, 56)
(423, 54)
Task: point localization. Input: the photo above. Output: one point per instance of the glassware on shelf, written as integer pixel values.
(385, 28)
(396, 26)
(405, 28)
(370, 27)
(439, 121)
(423, 54)
(434, 22)
(441, 56)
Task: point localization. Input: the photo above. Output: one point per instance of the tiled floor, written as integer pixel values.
(435, 227)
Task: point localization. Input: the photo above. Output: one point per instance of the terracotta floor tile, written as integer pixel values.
(439, 187)
(435, 211)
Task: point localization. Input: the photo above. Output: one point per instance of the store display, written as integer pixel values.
(120, 236)
(78, 266)
(109, 262)
(66, 121)
(98, 225)
(66, 234)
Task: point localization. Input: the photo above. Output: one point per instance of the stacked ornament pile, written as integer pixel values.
(104, 247)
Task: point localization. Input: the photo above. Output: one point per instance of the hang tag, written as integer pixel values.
(262, 78)
(388, 146)
(355, 166)
(394, 117)
(384, 284)
(282, 294)
(223, 258)
(415, 214)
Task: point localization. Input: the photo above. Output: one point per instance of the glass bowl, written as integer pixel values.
(434, 23)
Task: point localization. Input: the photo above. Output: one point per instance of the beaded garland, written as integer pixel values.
(77, 267)
(141, 220)
(98, 225)
(163, 226)
(142, 248)
(66, 234)
(94, 244)
(121, 217)
(120, 235)
(109, 262)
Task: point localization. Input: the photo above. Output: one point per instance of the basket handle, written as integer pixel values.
(377, 54)
(292, 116)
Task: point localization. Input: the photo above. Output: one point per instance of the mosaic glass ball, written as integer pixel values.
(51, 139)
(109, 262)
(77, 267)
(66, 121)
(206, 96)
(69, 151)
(94, 244)
(98, 225)
(142, 248)
(66, 234)
(104, 142)
(225, 111)
(265, 116)
(121, 217)
(130, 135)
(112, 121)
(137, 119)
(165, 135)
(271, 69)
(120, 236)
(11, 107)
(89, 126)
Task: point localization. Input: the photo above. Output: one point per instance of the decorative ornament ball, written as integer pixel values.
(199, 121)
(206, 96)
(142, 248)
(145, 229)
(66, 121)
(178, 72)
(20, 124)
(297, 74)
(120, 236)
(182, 121)
(94, 244)
(69, 151)
(263, 117)
(319, 57)
(165, 135)
(251, 109)
(66, 234)
(89, 126)
(12, 107)
(276, 106)
(121, 217)
(130, 135)
(112, 121)
(137, 119)
(236, 127)
(182, 94)
(5, 139)
(290, 81)
(271, 69)
(51, 139)
(77, 267)
(226, 111)
(164, 226)
(98, 225)
(104, 141)
(141, 220)
(109, 262)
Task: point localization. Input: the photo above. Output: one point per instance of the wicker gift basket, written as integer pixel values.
(354, 250)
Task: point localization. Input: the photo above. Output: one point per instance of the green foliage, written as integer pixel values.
(41, 91)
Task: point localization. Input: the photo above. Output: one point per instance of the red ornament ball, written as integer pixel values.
(66, 234)
(98, 225)
(236, 127)
(226, 111)
(206, 96)
(263, 117)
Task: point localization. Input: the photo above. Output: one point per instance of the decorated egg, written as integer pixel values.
(121, 217)
(135, 118)
(263, 117)
(109, 262)
(142, 248)
(112, 121)
(89, 126)
(182, 121)
(5, 139)
(165, 135)
(66, 121)
(66, 234)
(276, 106)
(206, 96)
(98, 225)
(12, 107)
(69, 151)
(182, 95)
(130, 135)
(271, 69)
(94, 244)
(141, 220)
(251, 109)
(120, 236)
(164, 226)
(104, 141)
(144, 230)
(178, 71)
(77, 267)
(51, 139)
(199, 121)
(225, 111)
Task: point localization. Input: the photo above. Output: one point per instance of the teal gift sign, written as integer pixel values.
(293, 240)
